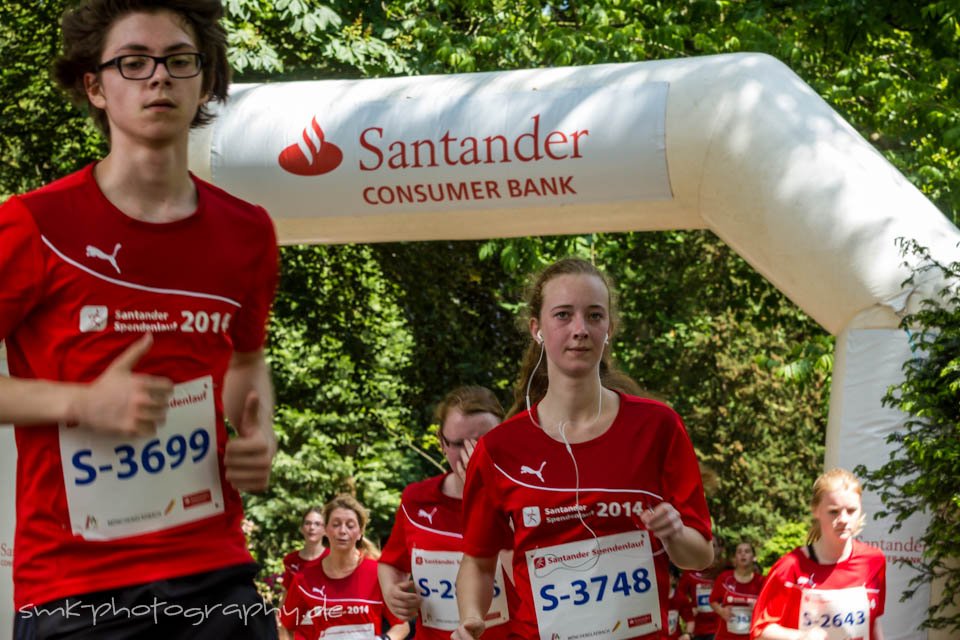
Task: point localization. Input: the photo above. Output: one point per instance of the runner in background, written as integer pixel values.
(679, 612)
(734, 594)
(134, 306)
(596, 490)
(835, 586)
(339, 597)
(418, 568)
(312, 530)
(696, 587)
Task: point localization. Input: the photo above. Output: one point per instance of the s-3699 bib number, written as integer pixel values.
(119, 487)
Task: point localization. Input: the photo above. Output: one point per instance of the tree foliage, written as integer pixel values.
(922, 475)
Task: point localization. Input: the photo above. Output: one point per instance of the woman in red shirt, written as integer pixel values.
(595, 489)
(696, 587)
(311, 528)
(734, 594)
(339, 597)
(835, 586)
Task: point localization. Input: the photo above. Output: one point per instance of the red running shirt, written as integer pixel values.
(349, 608)
(294, 564)
(81, 282)
(678, 609)
(696, 587)
(429, 526)
(740, 597)
(585, 566)
(844, 598)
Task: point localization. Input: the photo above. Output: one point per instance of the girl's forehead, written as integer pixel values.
(576, 287)
(841, 497)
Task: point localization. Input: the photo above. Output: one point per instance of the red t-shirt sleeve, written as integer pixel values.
(882, 598)
(719, 591)
(21, 263)
(249, 328)
(486, 527)
(288, 574)
(772, 601)
(683, 589)
(396, 552)
(684, 482)
(294, 605)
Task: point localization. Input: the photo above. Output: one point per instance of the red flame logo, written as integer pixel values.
(312, 157)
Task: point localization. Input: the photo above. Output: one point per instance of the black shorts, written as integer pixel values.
(218, 604)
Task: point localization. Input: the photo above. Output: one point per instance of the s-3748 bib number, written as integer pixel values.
(604, 587)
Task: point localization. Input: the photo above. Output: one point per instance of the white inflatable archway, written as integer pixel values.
(737, 144)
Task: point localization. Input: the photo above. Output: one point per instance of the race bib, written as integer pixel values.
(739, 620)
(597, 588)
(703, 597)
(350, 632)
(842, 613)
(119, 487)
(435, 577)
(673, 620)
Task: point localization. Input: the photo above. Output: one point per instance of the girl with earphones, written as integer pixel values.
(595, 489)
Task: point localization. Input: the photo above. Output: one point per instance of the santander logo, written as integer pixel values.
(313, 156)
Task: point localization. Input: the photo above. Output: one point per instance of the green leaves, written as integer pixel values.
(923, 472)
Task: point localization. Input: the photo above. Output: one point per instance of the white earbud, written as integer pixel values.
(539, 337)
(606, 339)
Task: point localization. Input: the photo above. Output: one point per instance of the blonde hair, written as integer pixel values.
(367, 547)
(834, 480)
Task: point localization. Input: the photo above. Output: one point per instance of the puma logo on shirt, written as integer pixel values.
(534, 472)
(94, 252)
(426, 515)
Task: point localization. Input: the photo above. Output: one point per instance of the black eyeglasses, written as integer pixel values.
(140, 66)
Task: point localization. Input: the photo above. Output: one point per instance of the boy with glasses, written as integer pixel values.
(134, 309)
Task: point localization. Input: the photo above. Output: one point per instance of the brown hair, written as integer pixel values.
(833, 480)
(314, 509)
(346, 501)
(85, 29)
(610, 376)
(468, 399)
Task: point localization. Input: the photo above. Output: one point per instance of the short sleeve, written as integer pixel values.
(684, 482)
(396, 552)
(21, 265)
(250, 326)
(293, 608)
(882, 586)
(486, 526)
(719, 590)
(772, 601)
(288, 572)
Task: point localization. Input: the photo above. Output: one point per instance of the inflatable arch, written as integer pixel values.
(737, 144)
